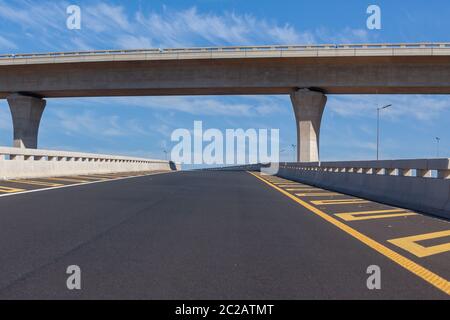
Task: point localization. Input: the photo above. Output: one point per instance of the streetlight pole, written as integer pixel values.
(293, 151)
(438, 140)
(378, 128)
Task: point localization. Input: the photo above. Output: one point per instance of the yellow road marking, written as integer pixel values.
(317, 194)
(303, 189)
(410, 244)
(379, 214)
(92, 177)
(67, 180)
(340, 201)
(293, 186)
(36, 183)
(427, 275)
(107, 176)
(111, 176)
(10, 190)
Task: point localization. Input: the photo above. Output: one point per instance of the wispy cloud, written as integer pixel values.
(91, 123)
(347, 35)
(186, 27)
(416, 107)
(34, 16)
(208, 106)
(242, 106)
(107, 26)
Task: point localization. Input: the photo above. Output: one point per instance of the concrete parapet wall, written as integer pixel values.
(30, 163)
(420, 185)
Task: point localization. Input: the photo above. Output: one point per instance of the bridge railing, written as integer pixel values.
(233, 49)
(33, 163)
(422, 168)
(417, 184)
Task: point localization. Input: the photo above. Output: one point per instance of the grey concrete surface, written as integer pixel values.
(308, 109)
(26, 112)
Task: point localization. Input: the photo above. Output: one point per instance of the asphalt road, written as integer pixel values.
(195, 235)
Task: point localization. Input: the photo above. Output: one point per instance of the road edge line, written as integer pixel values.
(420, 271)
(81, 184)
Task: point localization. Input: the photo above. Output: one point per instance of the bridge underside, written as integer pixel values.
(349, 75)
(225, 91)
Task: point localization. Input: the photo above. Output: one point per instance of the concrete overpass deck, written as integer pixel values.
(332, 69)
(216, 235)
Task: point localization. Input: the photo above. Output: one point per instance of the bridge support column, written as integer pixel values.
(308, 108)
(26, 114)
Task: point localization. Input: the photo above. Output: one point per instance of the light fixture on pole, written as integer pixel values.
(378, 128)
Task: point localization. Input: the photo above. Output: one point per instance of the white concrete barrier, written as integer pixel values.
(419, 184)
(34, 163)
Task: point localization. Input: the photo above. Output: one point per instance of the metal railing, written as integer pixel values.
(264, 48)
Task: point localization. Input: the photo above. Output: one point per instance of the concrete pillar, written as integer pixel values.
(308, 108)
(26, 114)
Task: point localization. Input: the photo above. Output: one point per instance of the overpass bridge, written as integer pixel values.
(307, 73)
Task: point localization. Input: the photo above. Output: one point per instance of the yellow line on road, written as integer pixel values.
(292, 185)
(67, 180)
(303, 189)
(10, 190)
(378, 214)
(107, 176)
(317, 194)
(92, 177)
(36, 183)
(289, 184)
(102, 176)
(410, 244)
(427, 275)
(338, 201)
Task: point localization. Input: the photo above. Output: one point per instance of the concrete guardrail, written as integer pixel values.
(34, 163)
(419, 184)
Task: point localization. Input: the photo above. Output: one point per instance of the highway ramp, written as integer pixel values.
(207, 235)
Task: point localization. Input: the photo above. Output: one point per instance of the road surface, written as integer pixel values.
(214, 235)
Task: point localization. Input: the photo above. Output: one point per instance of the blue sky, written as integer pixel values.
(142, 126)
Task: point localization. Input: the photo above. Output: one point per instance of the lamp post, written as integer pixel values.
(378, 128)
(293, 151)
(438, 140)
